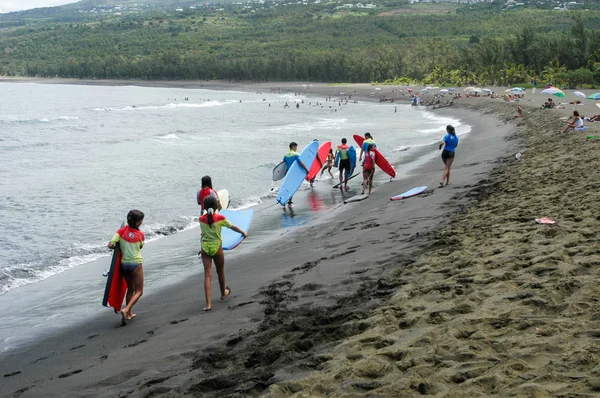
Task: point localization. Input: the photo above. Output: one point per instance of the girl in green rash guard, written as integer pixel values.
(211, 224)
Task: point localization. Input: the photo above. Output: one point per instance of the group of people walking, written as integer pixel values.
(131, 238)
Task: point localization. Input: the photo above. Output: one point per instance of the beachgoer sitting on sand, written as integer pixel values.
(576, 123)
(595, 118)
(520, 112)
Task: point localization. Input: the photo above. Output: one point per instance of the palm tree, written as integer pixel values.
(553, 70)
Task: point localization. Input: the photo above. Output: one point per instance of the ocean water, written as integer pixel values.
(75, 159)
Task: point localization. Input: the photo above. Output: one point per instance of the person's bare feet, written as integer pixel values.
(227, 293)
(123, 318)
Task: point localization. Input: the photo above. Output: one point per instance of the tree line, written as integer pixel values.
(300, 44)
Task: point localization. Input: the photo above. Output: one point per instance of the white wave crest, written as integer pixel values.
(207, 104)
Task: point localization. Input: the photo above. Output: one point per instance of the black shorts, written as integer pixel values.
(344, 165)
(447, 155)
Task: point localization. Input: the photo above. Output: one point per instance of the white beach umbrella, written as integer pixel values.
(377, 88)
(452, 89)
(444, 90)
(487, 90)
(579, 94)
(517, 90)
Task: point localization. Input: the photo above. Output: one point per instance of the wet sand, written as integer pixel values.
(455, 292)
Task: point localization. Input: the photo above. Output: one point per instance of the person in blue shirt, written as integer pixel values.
(449, 143)
(290, 157)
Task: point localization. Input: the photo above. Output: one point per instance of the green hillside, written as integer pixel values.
(438, 43)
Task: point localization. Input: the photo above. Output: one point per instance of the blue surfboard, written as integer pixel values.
(296, 174)
(409, 193)
(352, 156)
(241, 219)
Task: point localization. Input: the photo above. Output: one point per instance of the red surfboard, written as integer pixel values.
(320, 161)
(116, 287)
(380, 160)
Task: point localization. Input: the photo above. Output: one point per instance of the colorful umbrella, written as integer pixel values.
(579, 94)
(517, 90)
(553, 91)
(595, 96)
(469, 89)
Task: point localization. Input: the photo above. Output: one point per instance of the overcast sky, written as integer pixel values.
(16, 5)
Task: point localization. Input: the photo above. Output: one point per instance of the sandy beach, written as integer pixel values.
(456, 292)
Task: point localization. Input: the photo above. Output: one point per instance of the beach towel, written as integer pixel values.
(581, 128)
(545, 220)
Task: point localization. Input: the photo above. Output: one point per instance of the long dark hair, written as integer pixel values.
(368, 135)
(206, 182)
(450, 129)
(133, 217)
(210, 205)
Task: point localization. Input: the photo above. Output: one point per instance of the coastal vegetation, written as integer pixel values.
(394, 42)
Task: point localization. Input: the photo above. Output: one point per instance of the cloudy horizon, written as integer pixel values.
(19, 5)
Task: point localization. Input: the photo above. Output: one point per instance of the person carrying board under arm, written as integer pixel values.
(205, 191)
(131, 241)
(344, 166)
(290, 157)
(365, 145)
(211, 224)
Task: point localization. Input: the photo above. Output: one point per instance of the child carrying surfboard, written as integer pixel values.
(211, 224)
(131, 241)
(205, 191)
(369, 168)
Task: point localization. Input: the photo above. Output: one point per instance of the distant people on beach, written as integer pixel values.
(205, 191)
(449, 143)
(211, 224)
(549, 104)
(344, 165)
(131, 241)
(289, 158)
(576, 123)
(369, 168)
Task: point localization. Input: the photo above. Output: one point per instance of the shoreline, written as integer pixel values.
(455, 294)
(91, 354)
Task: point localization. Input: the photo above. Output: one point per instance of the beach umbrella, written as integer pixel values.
(519, 88)
(452, 89)
(469, 89)
(377, 88)
(579, 94)
(554, 91)
(487, 90)
(595, 96)
(410, 90)
(443, 90)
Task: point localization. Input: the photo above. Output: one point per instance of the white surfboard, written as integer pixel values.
(279, 171)
(409, 193)
(223, 198)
